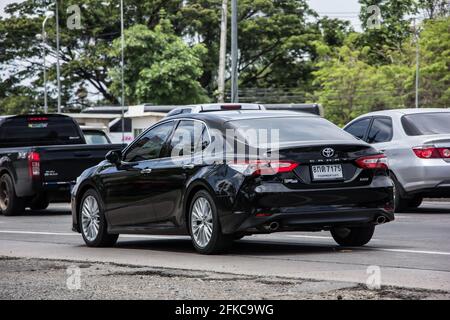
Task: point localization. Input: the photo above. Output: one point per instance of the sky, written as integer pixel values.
(3, 4)
(345, 9)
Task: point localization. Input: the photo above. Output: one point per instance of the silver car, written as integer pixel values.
(417, 145)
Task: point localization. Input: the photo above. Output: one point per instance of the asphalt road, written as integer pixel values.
(412, 252)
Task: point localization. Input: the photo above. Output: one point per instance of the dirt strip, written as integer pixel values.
(49, 279)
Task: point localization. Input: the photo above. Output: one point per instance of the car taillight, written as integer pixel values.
(261, 167)
(373, 162)
(38, 119)
(34, 164)
(430, 152)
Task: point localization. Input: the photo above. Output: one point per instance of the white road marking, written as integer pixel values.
(78, 235)
(315, 237)
(38, 233)
(414, 251)
(308, 237)
(184, 237)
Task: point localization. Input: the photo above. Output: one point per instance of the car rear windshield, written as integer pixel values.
(421, 124)
(292, 129)
(30, 131)
(95, 137)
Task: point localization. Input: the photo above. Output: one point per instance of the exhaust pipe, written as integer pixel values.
(273, 226)
(380, 220)
(270, 227)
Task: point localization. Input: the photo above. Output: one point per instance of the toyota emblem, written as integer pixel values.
(328, 152)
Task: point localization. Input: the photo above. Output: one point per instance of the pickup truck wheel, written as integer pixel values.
(94, 228)
(10, 204)
(353, 237)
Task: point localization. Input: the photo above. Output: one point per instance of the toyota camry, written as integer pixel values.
(222, 175)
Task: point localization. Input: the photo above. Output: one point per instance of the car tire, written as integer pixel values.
(415, 202)
(354, 236)
(204, 225)
(400, 203)
(41, 203)
(93, 224)
(10, 204)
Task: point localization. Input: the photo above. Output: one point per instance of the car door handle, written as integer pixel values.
(189, 166)
(146, 171)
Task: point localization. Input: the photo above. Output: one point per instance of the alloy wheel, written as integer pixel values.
(202, 222)
(90, 218)
(4, 196)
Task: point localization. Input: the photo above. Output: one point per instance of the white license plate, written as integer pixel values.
(327, 172)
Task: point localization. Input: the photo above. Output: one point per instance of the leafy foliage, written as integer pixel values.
(160, 67)
(287, 52)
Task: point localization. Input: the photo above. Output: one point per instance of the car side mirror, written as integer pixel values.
(114, 157)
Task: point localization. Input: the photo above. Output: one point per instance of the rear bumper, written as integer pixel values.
(309, 210)
(57, 191)
(426, 176)
(315, 220)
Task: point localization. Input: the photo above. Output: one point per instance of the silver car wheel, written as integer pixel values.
(4, 196)
(90, 218)
(202, 222)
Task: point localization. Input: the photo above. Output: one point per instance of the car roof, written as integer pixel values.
(404, 111)
(226, 116)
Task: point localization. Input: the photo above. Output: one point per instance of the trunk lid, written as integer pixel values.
(326, 165)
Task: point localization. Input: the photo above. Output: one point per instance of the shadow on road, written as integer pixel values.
(242, 247)
(46, 213)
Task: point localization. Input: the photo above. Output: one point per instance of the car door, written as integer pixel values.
(381, 133)
(182, 160)
(359, 128)
(129, 187)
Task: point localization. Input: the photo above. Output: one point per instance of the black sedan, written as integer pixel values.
(219, 176)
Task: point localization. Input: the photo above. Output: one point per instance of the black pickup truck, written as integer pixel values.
(41, 156)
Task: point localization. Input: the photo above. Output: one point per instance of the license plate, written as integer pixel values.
(327, 172)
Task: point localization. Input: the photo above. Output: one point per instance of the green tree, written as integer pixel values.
(275, 41)
(435, 8)
(84, 53)
(160, 67)
(435, 63)
(348, 86)
(393, 31)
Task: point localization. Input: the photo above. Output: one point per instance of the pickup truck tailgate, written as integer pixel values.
(66, 163)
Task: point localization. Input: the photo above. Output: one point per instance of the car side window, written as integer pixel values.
(381, 130)
(149, 146)
(187, 138)
(359, 128)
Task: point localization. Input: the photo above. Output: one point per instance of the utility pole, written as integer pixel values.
(223, 52)
(58, 66)
(416, 32)
(122, 100)
(48, 15)
(234, 52)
